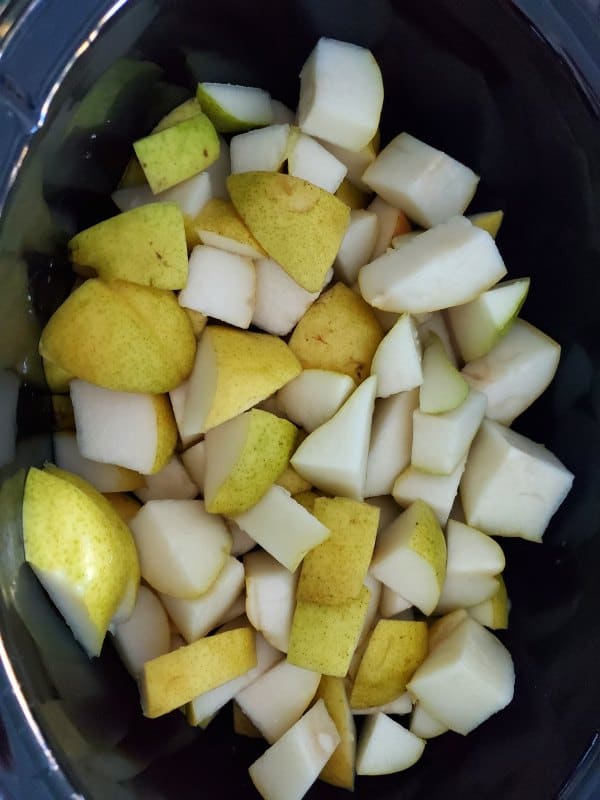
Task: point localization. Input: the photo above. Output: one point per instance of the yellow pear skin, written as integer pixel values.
(339, 770)
(181, 113)
(124, 504)
(219, 216)
(294, 483)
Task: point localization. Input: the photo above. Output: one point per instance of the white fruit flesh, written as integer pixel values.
(386, 746)
(423, 725)
(104, 477)
(241, 542)
(194, 460)
(190, 195)
(438, 491)
(402, 705)
(397, 360)
(357, 245)
(463, 590)
(392, 603)
(171, 483)
(470, 550)
(391, 437)
(433, 324)
(280, 302)
(263, 150)
(145, 635)
(356, 162)
(309, 160)
(443, 388)
(226, 243)
(270, 598)
(178, 397)
(249, 106)
(314, 397)
(387, 218)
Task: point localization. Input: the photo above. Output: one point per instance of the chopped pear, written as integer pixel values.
(490, 221)
(433, 324)
(356, 161)
(468, 677)
(339, 770)
(178, 397)
(441, 441)
(302, 531)
(81, 551)
(323, 637)
(443, 626)
(219, 225)
(392, 223)
(278, 698)
(375, 588)
(423, 725)
(394, 651)
(334, 456)
(390, 446)
(512, 486)
(427, 184)
(171, 483)
(145, 635)
(244, 457)
(438, 491)
(311, 161)
(333, 573)
(357, 245)
(443, 387)
(338, 332)
(270, 598)
(292, 482)
(125, 505)
(233, 371)
(462, 590)
(410, 557)
(235, 108)
(182, 548)
(56, 377)
(385, 747)
(493, 613)
(351, 196)
(103, 477)
(178, 152)
(341, 94)
(280, 302)
(194, 460)
(190, 196)
(314, 397)
(121, 336)
(515, 372)
(287, 770)
(392, 603)
(262, 150)
(479, 325)
(470, 550)
(171, 680)
(446, 266)
(136, 431)
(145, 246)
(241, 543)
(401, 705)
(397, 360)
(195, 617)
(301, 226)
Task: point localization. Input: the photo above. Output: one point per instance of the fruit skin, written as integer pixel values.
(121, 336)
(490, 221)
(145, 245)
(443, 388)
(339, 332)
(224, 120)
(220, 217)
(299, 225)
(493, 613)
(339, 770)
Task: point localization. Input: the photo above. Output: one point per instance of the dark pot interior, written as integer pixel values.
(472, 78)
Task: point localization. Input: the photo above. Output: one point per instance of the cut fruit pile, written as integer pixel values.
(299, 355)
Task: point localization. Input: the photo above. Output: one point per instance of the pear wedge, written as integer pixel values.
(339, 770)
(443, 387)
(235, 108)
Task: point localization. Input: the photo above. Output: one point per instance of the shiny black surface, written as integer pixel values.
(472, 78)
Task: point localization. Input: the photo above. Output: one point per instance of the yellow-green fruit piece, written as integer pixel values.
(220, 217)
(394, 651)
(171, 680)
(133, 174)
(178, 152)
(333, 572)
(146, 245)
(124, 504)
(490, 221)
(299, 225)
(339, 770)
(493, 613)
(121, 336)
(351, 195)
(244, 457)
(166, 432)
(323, 638)
(82, 554)
(181, 113)
(57, 378)
(339, 332)
(294, 483)
(307, 500)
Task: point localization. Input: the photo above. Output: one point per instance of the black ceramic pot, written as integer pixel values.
(510, 89)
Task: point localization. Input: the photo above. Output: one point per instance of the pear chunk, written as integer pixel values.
(262, 150)
(171, 483)
(493, 613)
(339, 770)
(235, 108)
(309, 160)
(357, 245)
(103, 477)
(314, 397)
(279, 302)
(392, 223)
(145, 635)
(219, 225)
(397, 360)
(443, 387)
(490, 221)
(438, 491)
(386, 747)
(423, 725)
(390, 446)
(270, 597)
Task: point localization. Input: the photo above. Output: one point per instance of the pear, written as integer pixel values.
(125, 505)
(146, 246)
(178, 398)
(270, 597)
(261, 150)
(441, 441)
(423, 725)
(427, 184)
(410, 557)
(333, 572)
(338, 332)
(357, 245)
(388, 510)
(103, 477)
(341, 94)
(446, 266)
(400, 706)
(187, 110)
(194, 461)
(287, 770)
(314, 397)
(356, 161)
(334, 456)
(438, 491)
(392, 223)
(233, 371)
(465, 590)
(515, 372)
(235, 108)
(279, 302)
(386, 747)
(390, 445)
(241, 543)
(244, 457)
(292, 482)
(490, 221)
(471, 551)
(197, 616)
(81, 551)
(443, 387)
(198, 320)
(172, 482)
(323, 637)
(219, 225)
(300, 226)
(182, 548)
(375, 588)
(468, 677)
(309, 160)
(221, 285)
(136, 431)
(145, 635)
(392, 603)
(351, 196)
(57, 378)
(477, 326)
(397, 360)
(176, 153)
(263, 523)
(339, 770)
(512, 486)
(394, 651)
(493, 613)
(278, 698)
(307, 499)
(171, 680)
(121, 336)
(443, 626)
